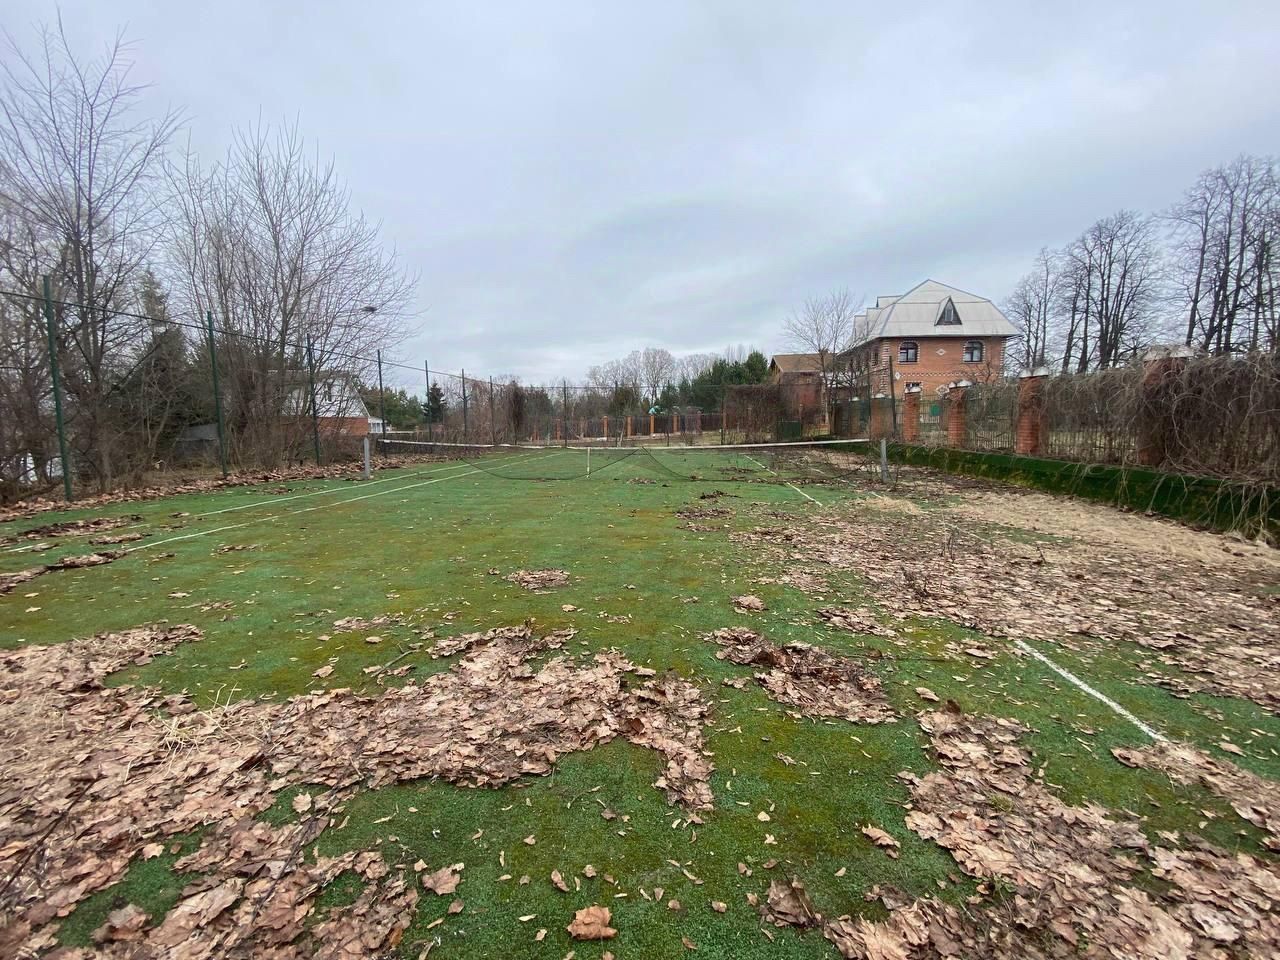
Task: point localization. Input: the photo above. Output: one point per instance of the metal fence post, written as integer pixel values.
(893, 397)
(493, 417)
(57, 389)
(564, 384)
(217, 395)
(368, 467)
(884, 460)
(315, 413)
(464, 406)
(382, 398)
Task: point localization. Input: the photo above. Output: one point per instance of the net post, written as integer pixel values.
(57, 389)
(217, 395)
(315, 413)
(368, 467)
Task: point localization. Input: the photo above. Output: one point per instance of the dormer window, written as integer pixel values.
(908, 351)
(948, 317)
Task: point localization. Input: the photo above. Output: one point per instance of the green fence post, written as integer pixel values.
(382, 398)
(57, 389)
(217, 396)
(493, 417)
(315, 413)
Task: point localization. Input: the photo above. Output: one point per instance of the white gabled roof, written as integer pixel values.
(916, 312)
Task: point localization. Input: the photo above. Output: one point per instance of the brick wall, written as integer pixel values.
(940, 361)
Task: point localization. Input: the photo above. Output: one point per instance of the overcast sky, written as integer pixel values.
(576, 180)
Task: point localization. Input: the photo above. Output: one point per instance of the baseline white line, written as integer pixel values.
(293, 513)
(1096, 694)
(775, 473)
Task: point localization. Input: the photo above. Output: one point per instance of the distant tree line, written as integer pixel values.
(1203, 273)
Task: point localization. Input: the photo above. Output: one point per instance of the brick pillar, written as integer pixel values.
(1029, 429)
(628, 425)
(957, 428)
(911, 415)
(881, 420)
(606, 428)
(1161, 368)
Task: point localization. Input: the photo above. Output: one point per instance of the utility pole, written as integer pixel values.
(382, 399)
(565, 386)
(315, 413)
(217, 395)
(57, 388)
(426, 412)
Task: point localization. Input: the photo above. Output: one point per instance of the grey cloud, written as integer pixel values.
(575, 180)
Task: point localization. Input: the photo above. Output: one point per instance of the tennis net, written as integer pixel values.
(814, 461)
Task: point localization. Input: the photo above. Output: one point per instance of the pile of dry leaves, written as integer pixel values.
(10, 580)
(818, 683)
(1205, 612)
(70, 528)
(96, 777)
(1058, 880)
(537, 579)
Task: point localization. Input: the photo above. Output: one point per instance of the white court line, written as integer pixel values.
(1096, 694)
(293, 513)
(775, 473)
(1062, 671)
(401, 475)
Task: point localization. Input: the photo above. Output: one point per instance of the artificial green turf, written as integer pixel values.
(422, 543)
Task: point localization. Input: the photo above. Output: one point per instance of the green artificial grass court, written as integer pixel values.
(421, 541)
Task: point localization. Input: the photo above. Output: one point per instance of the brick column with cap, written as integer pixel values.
(911, 415)
(1029, 430)
(957, 428)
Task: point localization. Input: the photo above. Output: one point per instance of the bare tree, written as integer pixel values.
(826, 327)
(657, 367)
(82, 171)
(1224, 234)
(1108, 293)
(267, 240)
(1031, 309)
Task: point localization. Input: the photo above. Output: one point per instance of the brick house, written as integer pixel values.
(800, 377)
(929, 337)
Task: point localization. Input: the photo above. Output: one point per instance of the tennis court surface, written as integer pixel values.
(636, 702)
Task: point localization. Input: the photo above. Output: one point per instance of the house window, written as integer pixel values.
(948, 317)
(913, 385)
(973, 351)
(328, 391)
(908, 351)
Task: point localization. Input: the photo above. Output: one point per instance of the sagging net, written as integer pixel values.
(818, 461)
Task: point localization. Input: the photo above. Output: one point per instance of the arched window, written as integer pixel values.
(973, 351)
(908, 351)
